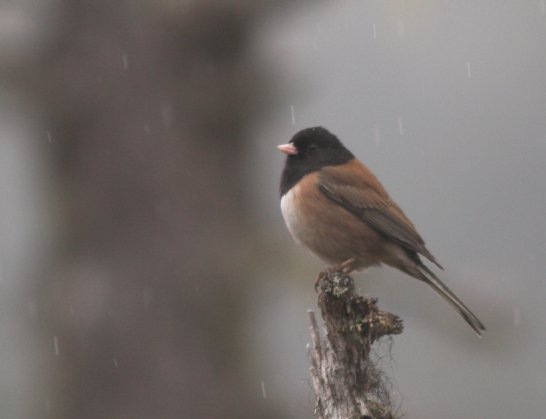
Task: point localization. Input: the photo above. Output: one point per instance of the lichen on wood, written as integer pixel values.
(347, 383)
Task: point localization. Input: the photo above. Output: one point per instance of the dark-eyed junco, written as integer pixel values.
(336, 207)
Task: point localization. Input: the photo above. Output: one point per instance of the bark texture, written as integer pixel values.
(347, 382)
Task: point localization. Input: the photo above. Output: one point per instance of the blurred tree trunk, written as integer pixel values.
(148, 103)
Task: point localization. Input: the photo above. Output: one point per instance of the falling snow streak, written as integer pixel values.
(377, 136)
(517, 317)
(146, 297)
(400, 29)
(468, 70)
(374, 31)
(400, 126)
(293, 114)
(318, 31)
(264, 394)
(56, 345)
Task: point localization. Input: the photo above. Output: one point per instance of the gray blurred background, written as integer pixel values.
(145, 271)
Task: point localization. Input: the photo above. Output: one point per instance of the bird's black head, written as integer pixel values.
(308, 151)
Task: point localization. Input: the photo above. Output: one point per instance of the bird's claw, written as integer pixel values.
(344, 268)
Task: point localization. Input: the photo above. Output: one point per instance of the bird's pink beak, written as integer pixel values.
(288, 149)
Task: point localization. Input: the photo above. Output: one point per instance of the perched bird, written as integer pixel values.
(335, 206)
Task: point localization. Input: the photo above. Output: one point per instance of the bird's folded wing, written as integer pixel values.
(371, 204)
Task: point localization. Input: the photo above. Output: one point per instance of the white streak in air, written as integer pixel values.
(115, 363)
(318, 31)
(49, 140)
(264, 394)
(293, 114)
(517, 316)
(400, 126)
(376, 136)
(400, 29)
(374, 31)
(125, 60)
(56, 345)
(468, 70)
(146, 297)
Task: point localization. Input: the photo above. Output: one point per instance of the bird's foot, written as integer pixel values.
(343, 268)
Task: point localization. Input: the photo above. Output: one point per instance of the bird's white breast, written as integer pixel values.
(290, 213)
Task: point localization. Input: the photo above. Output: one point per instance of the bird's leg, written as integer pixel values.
(343, 267)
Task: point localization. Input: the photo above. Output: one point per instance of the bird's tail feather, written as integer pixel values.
(431, 279)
